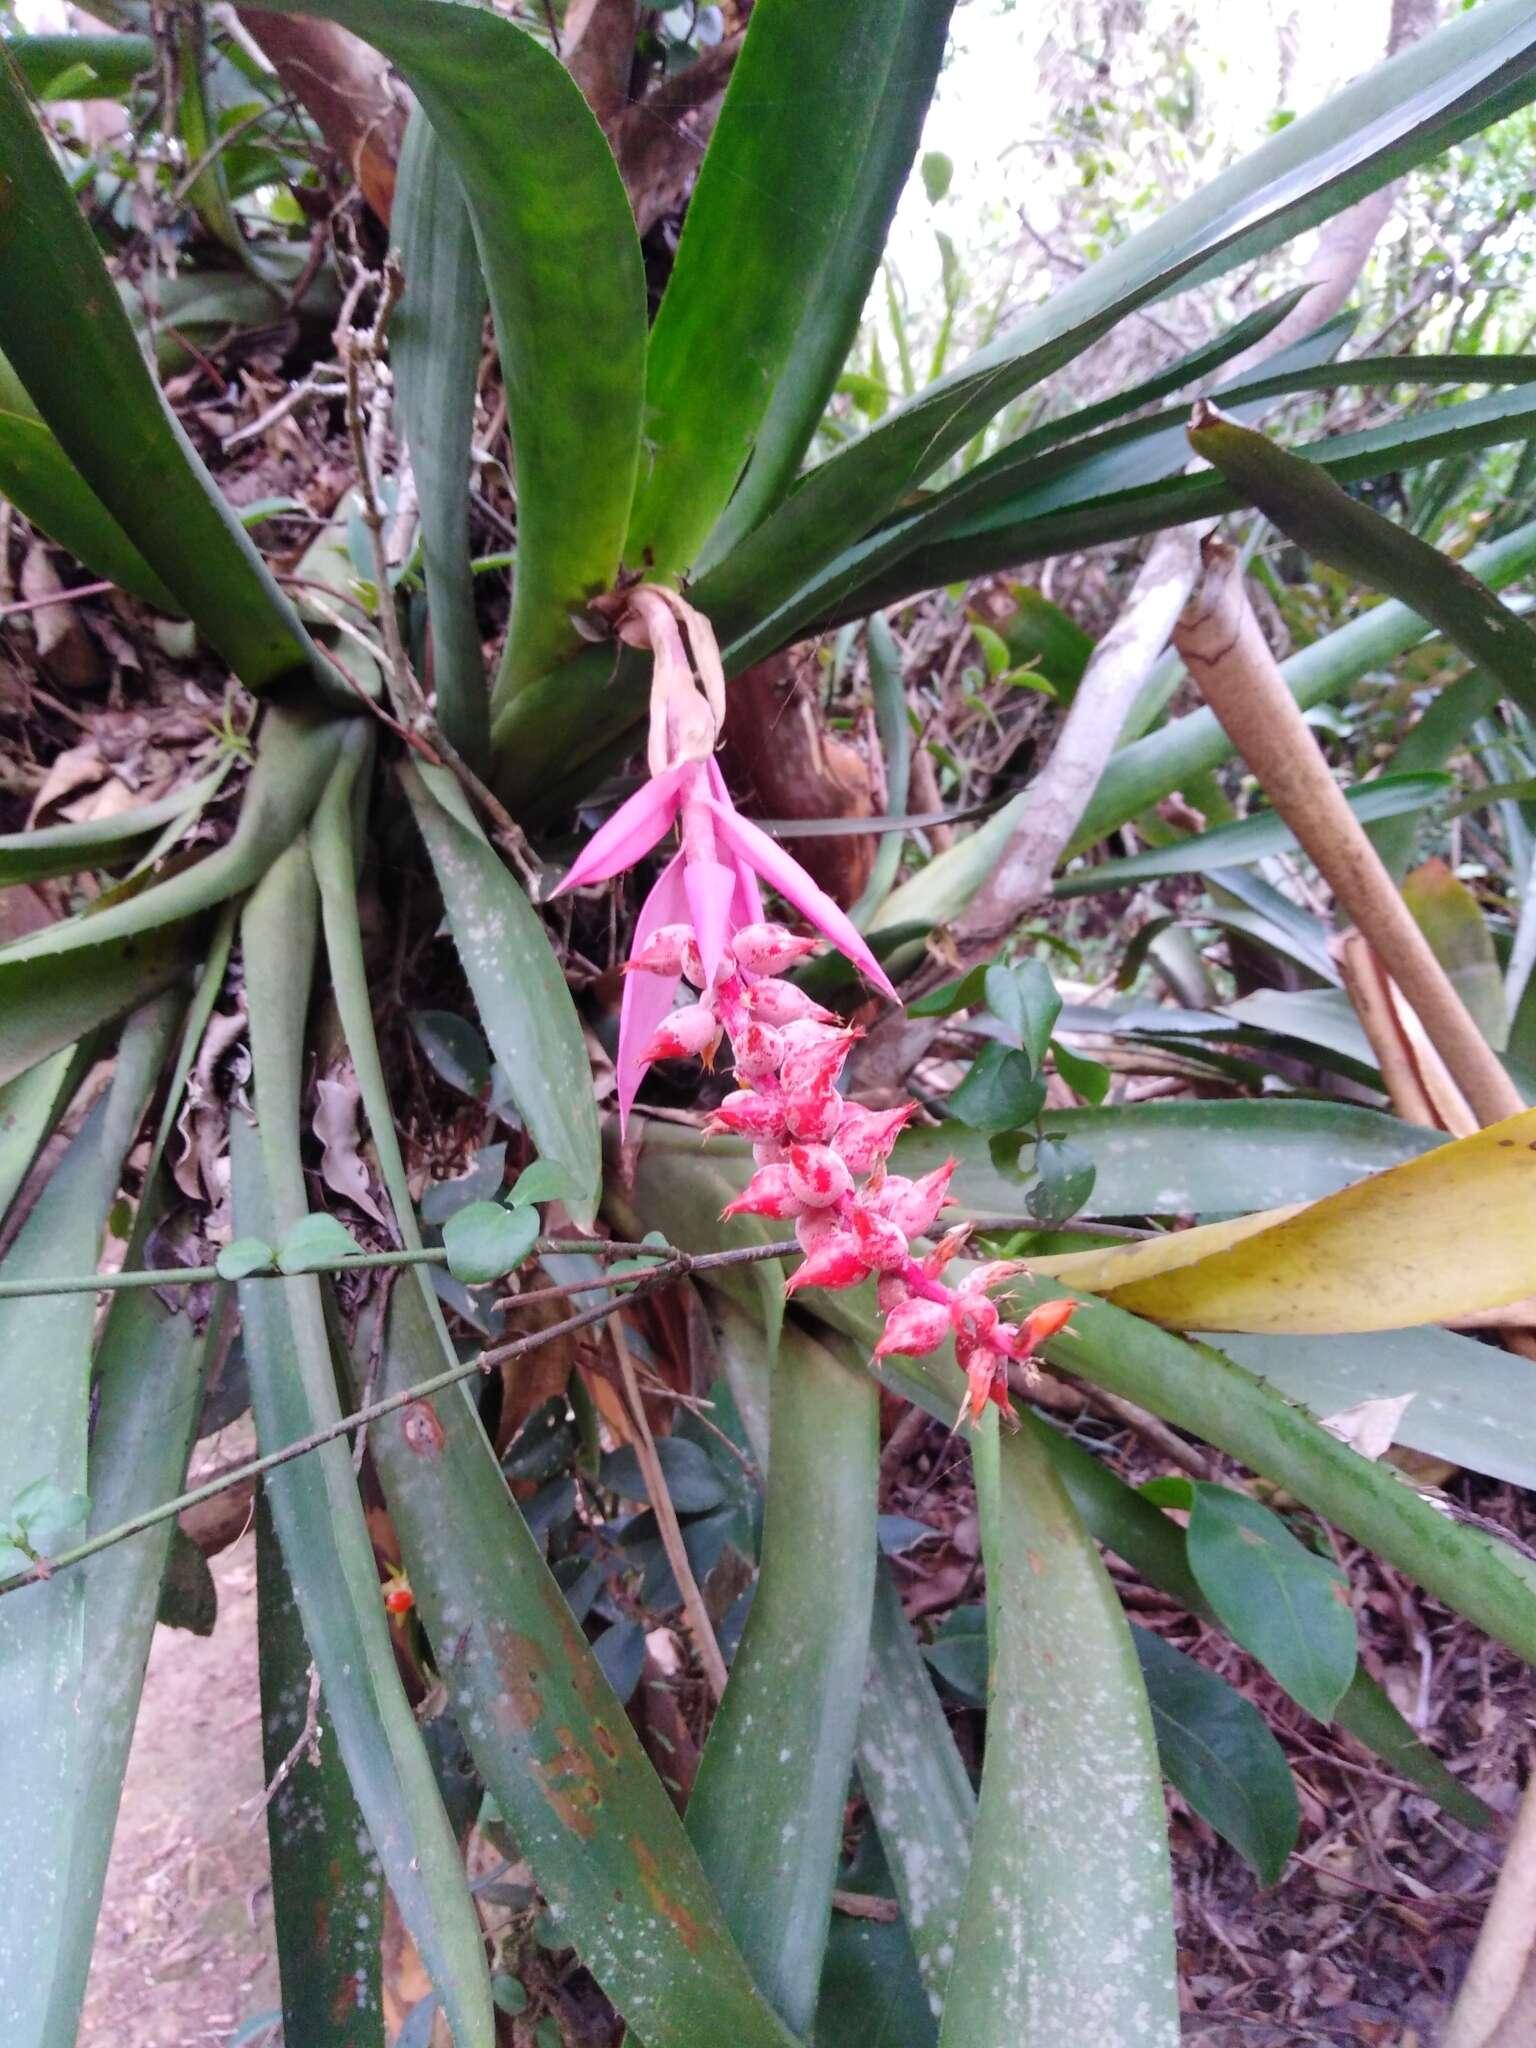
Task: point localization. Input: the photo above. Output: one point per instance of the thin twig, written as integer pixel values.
(679, 1265)
(699, 1626)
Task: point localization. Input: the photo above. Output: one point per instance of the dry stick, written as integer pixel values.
(1224, 650)
(1226, 653)
(1412, 1072)
(699, 1626)
(676, 1268)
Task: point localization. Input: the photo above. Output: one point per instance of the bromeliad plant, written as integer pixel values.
(654, 457)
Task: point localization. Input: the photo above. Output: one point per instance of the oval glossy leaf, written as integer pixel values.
(66, 334)
(316, 1506)
(311, 1244)
(1050, 1952)
(1216, 1748)
(455, 1050)
(327, 1900)
(1252, 838)
(766, 1811)
(485, 1241)
(560, 256)
(524, 1004)
(434, 345)
(1279, 1599)
(1357, 1260)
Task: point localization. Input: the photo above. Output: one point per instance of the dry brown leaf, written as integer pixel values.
(1369, 1427)
(337, 1096)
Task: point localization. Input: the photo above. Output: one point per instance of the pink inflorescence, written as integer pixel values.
(822, 1160)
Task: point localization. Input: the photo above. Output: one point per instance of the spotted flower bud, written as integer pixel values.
(913, 1329)
(818, 1176)
(780, 1002)
(913, 1205)
(769, 948)
(815, 1226)
(1022, 1340)
(865, 1136)
(759, 1051)
(813, 1115)
(835, 1262)
(746, 1114)
(881, 1242)
(690, 1033)
(770, 1192)
(664, 952)
(809, 1066)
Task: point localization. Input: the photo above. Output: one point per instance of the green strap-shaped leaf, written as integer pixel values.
(782, 239)
(64, 329)
(43, 484)
(295, 751)
(315, 1502)
(1307, 504)
(98, 842)
(1067, 1931)
(434, 345)
(1143, 773)
(1199, 1389)
(917, 1788)
(547, 1734)
(94, 67)
(327, 1901)
(1483, 65)
(558, 247)
(47, 1005)
(45, 1366)
(524, 1004)
(1252, 838)
(1428, 744)
(30, 1106)
(766, 1810)
(626, 1882)
(888, 688)
(1130, 486)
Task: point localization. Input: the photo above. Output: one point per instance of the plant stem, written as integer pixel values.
(678, 1267)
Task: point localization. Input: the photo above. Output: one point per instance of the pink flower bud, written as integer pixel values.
(865, 1136)
(780, 1002)
(759, 1051)
(981, 1279)
(986, 1375)
(746, 1114)
(815, 1226)
(770, 1152)
(663, 951)
(914, 1329)
(769, 948)
(952, 1242)
(974, 1318)
(813, 1115)
(689, 1033)
(818, 1176)
(807, 1067)
(835, 1262)
(914, 1204)
(883, 1246)
(770, 1192)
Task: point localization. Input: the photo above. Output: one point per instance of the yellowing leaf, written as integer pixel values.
(1431, 1241)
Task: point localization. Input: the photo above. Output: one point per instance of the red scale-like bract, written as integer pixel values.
(821, 1160)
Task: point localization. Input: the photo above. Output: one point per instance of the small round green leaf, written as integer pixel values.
(1066, 1181)
(508, 1995)
(314, 1243)
(454, 1048)
(546, 1180)
(245, 1256)
(1001, 1091)
(485, 1241)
